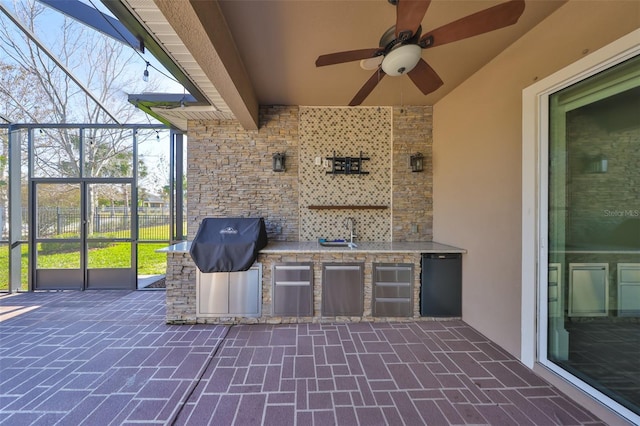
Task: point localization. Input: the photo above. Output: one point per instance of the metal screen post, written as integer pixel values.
(15, 211)
(176, 188)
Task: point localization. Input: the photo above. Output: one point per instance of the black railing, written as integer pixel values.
(60, 222)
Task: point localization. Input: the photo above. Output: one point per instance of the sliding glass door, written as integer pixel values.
(593, 259)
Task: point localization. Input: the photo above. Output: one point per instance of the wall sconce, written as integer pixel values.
(278, 162)
(598, 164)
(417, 162)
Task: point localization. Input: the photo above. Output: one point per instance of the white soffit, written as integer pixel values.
(178, 117)
(147, 13)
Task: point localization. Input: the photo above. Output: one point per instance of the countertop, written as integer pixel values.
(315, 247)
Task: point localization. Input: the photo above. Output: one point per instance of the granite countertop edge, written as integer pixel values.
(315, 247)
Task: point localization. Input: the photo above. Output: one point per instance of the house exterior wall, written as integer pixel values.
(229, 172)
(477, 159)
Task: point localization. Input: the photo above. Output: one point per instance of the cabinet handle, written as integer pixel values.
(393, 299)
(393, 268)
(342, 268)
(293, 283)
(292, 268)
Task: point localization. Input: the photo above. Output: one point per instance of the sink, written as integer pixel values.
(325, 243)
(334, 243)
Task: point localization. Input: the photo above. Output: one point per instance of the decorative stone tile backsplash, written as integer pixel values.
(347, 132)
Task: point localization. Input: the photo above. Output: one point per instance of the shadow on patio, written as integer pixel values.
(107, 357)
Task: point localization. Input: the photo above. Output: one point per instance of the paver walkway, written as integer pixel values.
(107, 357)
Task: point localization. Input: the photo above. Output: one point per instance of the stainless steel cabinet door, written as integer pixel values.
(244, 293)
(588, 289)
(213, 293)
(220, 294)
(342, 289)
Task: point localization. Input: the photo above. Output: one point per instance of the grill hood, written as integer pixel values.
(228, 244)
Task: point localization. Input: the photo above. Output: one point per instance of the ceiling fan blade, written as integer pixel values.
(490, 19)
(425, 77)
(367, 88)
(409, 15)
(348, 56)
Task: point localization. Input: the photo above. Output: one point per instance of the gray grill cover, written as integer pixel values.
(228, 244)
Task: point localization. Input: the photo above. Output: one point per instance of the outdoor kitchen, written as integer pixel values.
(306, 282)
(321, 214)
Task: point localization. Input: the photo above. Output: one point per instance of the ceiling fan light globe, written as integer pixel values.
(401, 60)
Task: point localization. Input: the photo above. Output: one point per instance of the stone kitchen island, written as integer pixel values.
(369, 259)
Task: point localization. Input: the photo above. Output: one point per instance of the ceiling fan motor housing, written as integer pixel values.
(402, 59)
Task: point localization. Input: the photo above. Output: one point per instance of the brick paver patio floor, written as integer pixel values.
(108, 358)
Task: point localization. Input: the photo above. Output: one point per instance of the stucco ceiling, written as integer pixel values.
(276, 43)
(279, 42)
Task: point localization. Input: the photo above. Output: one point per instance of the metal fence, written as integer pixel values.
(55, 222)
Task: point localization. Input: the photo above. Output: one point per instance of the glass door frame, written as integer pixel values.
(83, 278)
(535, 208)
(20, 271)
(62, 278)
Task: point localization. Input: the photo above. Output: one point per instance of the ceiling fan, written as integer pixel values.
(401, 45)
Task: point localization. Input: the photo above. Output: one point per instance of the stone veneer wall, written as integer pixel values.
(229, 172)
(180, 282)
(181, 288)
(412, 214)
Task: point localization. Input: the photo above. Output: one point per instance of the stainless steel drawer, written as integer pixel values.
(393, 289)
(393, 308)
(292, 286)
(392, 272)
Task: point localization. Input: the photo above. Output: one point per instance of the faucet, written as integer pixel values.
(350, 223)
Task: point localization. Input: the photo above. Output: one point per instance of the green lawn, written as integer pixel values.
(115, 255)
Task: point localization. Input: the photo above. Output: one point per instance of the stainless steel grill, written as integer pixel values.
(229, 281)
(228, 244)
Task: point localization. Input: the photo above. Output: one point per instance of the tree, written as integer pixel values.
(11, 76)
(33, 89)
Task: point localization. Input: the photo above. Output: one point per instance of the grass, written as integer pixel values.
(114, 255)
